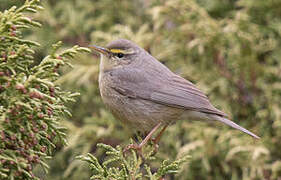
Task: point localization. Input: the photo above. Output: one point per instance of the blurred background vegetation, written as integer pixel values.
(231, 49)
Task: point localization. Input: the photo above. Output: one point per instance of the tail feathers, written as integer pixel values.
(234, 125)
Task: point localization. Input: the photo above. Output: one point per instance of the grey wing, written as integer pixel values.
(168, 89)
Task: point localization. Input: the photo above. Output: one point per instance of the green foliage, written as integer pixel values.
(31, 103)
(230, 49)
(122, 167)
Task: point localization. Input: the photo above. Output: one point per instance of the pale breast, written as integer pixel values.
(139, 114)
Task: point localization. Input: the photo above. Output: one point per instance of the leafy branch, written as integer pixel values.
(31, 103)
(129, 167)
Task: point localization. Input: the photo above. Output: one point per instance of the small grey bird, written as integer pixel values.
(145, 95)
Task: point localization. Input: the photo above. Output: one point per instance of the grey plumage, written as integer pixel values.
(141, 91)
(234, 125)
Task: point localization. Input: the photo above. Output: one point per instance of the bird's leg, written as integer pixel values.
(157, 139)
(138, 147)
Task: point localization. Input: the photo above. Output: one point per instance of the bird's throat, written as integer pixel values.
(105, 65)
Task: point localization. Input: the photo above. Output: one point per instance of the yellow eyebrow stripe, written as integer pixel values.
(117, 51)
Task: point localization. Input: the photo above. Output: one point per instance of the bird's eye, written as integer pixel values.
(120, 55)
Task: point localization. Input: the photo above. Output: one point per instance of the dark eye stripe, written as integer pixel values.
(119, 55)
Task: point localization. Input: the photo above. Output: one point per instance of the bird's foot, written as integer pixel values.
(136, 147)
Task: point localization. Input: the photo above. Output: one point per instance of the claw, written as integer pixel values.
(138, 147)
(135, 147)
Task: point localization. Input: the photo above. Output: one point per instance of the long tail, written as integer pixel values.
(234, 125)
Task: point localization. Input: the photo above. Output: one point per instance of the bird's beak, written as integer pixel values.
(102, 50)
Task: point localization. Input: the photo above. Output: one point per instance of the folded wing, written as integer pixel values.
(163, 88)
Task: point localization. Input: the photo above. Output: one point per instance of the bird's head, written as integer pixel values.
(118, 53)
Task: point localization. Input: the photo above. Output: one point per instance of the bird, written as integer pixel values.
(145, 95)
